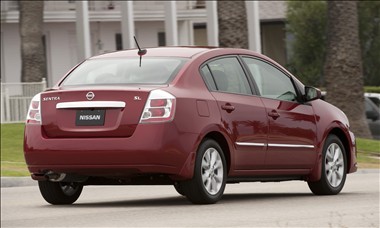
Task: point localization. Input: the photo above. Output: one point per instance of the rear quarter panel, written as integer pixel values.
(196, 107)
(192, 95)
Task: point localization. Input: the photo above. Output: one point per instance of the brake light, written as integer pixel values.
(34, 112)
(159, 107)
(158, 102)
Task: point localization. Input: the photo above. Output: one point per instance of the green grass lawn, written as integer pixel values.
(368, 153)
(13, 163)
(12, 157)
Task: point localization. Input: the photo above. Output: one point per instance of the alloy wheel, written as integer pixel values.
(334, 165)
(212, 171)
(69, 189)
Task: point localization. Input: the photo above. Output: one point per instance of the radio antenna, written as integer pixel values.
(140, 52)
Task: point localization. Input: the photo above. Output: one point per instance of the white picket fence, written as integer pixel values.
(15, 99)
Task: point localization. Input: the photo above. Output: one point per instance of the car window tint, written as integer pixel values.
(367, 106)
(208, 78)
(271, 82)
(229, 76)
(375, 100)
(125, 71)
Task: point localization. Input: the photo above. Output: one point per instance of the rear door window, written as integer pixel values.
(226, 75)
(208, 77)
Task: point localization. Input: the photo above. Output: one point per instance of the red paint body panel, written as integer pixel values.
(248, 123)
(119, 122)
(295, 125)
(329, 118)
(158, 148)
(123, 147)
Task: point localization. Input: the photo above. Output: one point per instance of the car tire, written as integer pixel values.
(179, 188)
(58, 193)
(334, 167)
(210, 174)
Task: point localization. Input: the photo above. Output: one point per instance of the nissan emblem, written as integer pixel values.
(90, 96)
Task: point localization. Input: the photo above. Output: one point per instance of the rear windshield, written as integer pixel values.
(125, 71)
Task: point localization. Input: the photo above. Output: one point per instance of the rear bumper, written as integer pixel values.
(152, 149)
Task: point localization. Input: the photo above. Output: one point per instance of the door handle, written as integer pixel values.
(228, 107)
(274, 114)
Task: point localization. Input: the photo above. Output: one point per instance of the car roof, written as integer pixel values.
(184, 52)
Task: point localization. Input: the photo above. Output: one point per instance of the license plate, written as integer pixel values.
(90, 117)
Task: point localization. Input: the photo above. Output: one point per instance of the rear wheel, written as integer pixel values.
(209, 180)
(334, 167)
(60, 192)
(179, 188)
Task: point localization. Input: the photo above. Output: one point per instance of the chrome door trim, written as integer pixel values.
(290, 145)
(274, 145)
(250, 144)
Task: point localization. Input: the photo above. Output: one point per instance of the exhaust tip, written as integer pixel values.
(55, 177)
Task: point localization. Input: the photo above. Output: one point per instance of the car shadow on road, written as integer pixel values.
(230, 198)
(164, 201)
(254, 197)
(237, 197)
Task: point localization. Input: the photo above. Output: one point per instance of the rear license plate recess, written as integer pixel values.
(90, 117)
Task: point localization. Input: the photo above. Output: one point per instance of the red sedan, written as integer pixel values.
(196, 118)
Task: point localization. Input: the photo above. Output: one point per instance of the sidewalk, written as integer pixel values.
(7, 182)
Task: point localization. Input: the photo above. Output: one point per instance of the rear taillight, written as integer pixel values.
(34, 112)
(159, 107)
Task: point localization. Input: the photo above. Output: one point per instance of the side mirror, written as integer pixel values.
(312, 93)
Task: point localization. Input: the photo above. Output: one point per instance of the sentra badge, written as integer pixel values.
(51, 99)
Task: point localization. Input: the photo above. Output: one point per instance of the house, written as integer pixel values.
(60, 36)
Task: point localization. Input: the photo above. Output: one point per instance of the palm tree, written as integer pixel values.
(232, 20)
(343, 66)
(32, 48)
(200, 4)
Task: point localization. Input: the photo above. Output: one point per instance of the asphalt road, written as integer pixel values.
(243, 205)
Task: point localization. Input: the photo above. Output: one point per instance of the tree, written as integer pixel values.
(369, 33)
(32, 49)
(343, 65)
(232, 20)
(307, 22)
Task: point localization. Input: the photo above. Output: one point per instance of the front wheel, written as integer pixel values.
(334, 168)
(209, 180)
(57, 193)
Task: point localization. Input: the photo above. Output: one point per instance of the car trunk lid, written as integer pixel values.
(101, 111)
